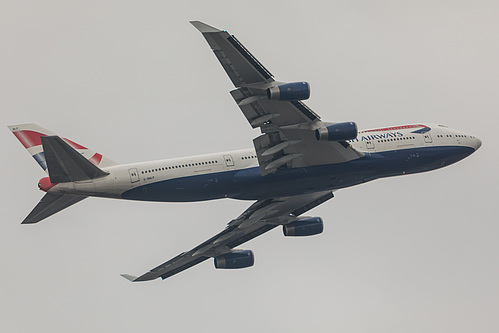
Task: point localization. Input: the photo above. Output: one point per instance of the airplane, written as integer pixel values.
(296, 164)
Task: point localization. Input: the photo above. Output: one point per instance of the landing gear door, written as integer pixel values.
(134, 175)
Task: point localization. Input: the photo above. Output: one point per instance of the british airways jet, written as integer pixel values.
(296, 163)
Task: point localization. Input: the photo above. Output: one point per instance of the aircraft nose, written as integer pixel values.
(477, 144)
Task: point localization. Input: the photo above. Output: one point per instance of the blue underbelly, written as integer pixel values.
(249, 184)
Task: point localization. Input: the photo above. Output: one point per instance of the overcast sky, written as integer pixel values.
(135, 81)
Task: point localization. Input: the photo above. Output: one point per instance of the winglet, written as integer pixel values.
(204, 27)
(129, 277)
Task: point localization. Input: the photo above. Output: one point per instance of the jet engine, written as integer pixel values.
(304, 227)
(294, 91)
(337, 132)
(235, 259)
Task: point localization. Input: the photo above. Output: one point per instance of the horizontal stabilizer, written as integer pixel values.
(65, 164)
(51, 204)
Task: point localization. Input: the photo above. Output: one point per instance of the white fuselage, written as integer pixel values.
(144, 175)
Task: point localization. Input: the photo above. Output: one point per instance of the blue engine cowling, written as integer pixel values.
(294, 91)
(337, 132)
(304, 227)
(236, 259)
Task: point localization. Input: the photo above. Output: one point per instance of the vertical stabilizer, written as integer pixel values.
(64, 161)
(30, 137)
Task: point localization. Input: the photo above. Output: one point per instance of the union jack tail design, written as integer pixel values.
(30, 137)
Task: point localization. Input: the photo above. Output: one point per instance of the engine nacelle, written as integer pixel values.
(236, 259)
(304, 227)
(294, 91)
(337, 132)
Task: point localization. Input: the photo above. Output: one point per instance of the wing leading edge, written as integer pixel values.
(262, 216)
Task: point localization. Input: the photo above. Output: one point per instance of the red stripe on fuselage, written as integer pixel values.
(394, 128)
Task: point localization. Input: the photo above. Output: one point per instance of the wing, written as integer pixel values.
(288, 127)
(259, 218)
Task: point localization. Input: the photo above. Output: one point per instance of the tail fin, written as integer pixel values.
(64, 161)
(64, 164)
(30, 137)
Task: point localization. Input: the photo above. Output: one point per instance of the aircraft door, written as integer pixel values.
(427, 138)
(134, 175)
(370, 144)
(229, 162)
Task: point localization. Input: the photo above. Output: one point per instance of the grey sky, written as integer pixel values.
(138, 82)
